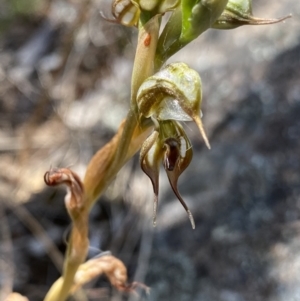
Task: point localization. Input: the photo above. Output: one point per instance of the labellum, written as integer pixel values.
(168, 144)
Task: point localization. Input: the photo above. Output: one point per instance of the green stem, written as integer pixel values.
(143, 68)
(75, 255)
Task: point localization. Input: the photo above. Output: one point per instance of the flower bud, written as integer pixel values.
(173, 93)
(125, 12)
(170, 145)
(186, 23)
(156, 6)
(238, 13)
(198, 16)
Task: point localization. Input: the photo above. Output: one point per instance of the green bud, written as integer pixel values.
(156, 6)
(170, 145)
(238, 13)
(173, 93)
(198, 16)
(125, 12)
(185, 24)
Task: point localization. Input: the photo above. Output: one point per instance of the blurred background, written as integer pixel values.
(65, 87)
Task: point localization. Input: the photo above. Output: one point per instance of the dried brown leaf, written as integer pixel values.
(108, 265)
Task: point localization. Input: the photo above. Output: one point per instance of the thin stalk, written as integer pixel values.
(126, 144)
(113, 156)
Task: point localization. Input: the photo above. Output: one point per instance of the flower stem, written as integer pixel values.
(107, 162)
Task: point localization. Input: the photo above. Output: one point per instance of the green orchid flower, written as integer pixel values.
(169, 145)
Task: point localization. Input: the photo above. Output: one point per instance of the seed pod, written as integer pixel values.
(238, 13)
(173, 93)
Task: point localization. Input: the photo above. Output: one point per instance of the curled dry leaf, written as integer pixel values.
(58, 176)
(110, 266)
